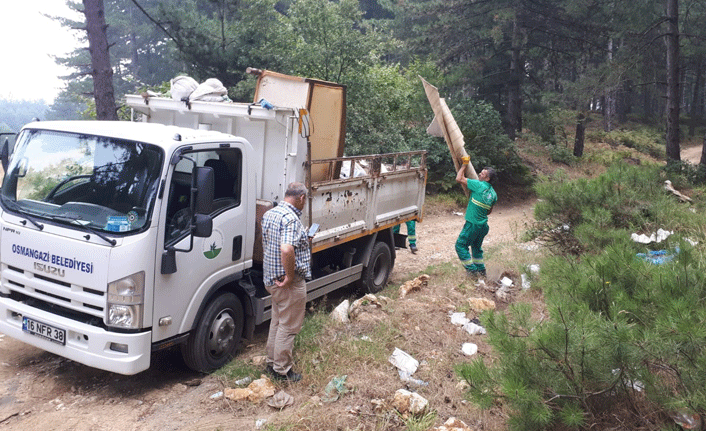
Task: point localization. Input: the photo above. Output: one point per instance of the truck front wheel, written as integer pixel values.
(375, 275)
(217, 335)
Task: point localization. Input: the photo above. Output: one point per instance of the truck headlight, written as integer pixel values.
(126, 301)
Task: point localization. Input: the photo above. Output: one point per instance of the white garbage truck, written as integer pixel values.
(118, 239)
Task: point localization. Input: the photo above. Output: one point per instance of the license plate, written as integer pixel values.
(43, 330)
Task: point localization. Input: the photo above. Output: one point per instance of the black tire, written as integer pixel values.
(217, 335)
(375, 275)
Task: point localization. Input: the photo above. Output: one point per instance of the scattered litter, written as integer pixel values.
(407, 402)
(378, 405)
(280, 400)
(243, 381)
(636, 385)
(469, 349)
(259, 361)
(255, 392)
(260, 423)
(481, 304)
(525, 282)
(657, 257)
(458, 319)
(237, 394)
(687, 420)
(340, 313)
(365, 338)
(334, 389)
(403, 361)
(534, 268)
(414, 285)
(473, 329)
(406, 377)
(453, 424)
(506, 282)
(457, 213)
(369, 303)
(217, 395)
(670, 188)
(657, 237)
(529, 247)
(503, 293)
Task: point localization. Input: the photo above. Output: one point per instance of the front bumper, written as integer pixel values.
(85, 344)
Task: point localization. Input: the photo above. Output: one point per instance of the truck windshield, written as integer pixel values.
(103, 183)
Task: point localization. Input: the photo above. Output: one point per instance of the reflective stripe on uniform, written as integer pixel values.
(481, 204)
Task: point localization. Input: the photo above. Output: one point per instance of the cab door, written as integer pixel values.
(210, 260)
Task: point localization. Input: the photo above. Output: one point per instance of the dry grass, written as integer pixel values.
(420, 325)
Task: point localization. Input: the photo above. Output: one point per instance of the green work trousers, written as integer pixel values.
(472, 236)
(411, 231)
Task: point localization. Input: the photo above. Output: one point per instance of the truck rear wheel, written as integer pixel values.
(375, 275)
(217, 335)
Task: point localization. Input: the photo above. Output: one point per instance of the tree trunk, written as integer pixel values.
(100, 60)
(514, 96)
(672, 42)
(609, 95)
(580, 133)
(702, 162)
(696, 111)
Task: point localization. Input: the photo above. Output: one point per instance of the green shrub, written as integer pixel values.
(621, 332)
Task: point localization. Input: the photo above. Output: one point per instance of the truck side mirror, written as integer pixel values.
(5, 154)
(8, 144)
(205, 185)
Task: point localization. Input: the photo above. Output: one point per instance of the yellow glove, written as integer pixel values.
(466, 160)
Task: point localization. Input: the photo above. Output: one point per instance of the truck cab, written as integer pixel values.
(114, 234)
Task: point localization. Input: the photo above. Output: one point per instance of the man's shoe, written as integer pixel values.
(413, 248)
(271, 371)
(290, 376)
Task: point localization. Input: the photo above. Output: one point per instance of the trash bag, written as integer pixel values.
(211, 90)
(182, 86)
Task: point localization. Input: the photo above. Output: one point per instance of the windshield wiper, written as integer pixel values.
(87, 228)
(14, 206)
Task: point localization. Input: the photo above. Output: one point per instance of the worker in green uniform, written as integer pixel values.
(411, 234)
(480, 204)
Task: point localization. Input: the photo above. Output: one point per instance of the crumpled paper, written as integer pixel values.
(280, 400)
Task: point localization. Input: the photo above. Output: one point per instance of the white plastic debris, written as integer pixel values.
(404, 361)
(534, 268)
(260, 423)
(525, 282)
(459, 319)
(473, 329)
(405, 377)
(340, 313)
(457, 213)
(469, 349)
(217, 395)
(657, 237)
(243, 381)
(507, 282)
